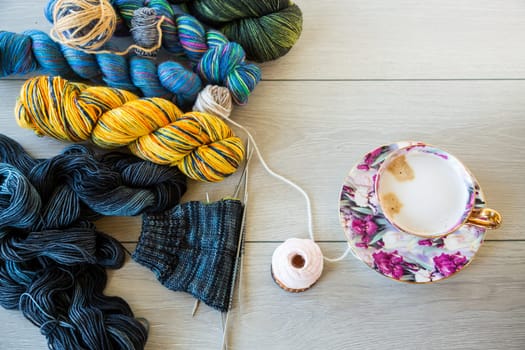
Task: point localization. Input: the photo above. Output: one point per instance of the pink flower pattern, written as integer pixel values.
(447, 264)
(369, 159)
(366, 228)
(389, 264)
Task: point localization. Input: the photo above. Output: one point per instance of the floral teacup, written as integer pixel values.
(387, 249)
(428, 192)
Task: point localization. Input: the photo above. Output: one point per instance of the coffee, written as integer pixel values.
(424, 191)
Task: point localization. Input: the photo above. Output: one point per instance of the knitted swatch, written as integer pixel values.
(193, 248)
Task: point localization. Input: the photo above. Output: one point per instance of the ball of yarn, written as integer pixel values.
(266, 29)
(83, 24)
(297, 264)
(214, 100)
(201, 145)
(144, 29)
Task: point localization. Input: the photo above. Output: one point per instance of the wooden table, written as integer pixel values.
(364, 73)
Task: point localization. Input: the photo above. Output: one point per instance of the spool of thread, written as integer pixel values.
(215, 100)
(201, 145)
(297, 264)
(266, 29)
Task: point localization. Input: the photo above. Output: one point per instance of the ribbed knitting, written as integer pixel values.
(193, 248)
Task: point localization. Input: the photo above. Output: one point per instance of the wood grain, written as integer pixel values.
(316, 141)
(481, 307)
(374, 39)
(364, 73)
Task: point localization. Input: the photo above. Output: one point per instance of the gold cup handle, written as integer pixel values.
(485, 217)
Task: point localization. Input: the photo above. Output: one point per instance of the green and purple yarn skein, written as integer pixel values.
(266, 29)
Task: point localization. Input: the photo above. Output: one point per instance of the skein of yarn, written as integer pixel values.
(79, 184)
(266, 29)
(53, 260)
(34, 50)
(201, 145)
(218, 61)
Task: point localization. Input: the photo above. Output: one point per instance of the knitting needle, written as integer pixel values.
(238, 260)
(244, 170)
(195, 307)
(198, 302)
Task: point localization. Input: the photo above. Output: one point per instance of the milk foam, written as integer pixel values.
(433, 201)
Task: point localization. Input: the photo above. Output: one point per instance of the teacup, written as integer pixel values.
(428, 192)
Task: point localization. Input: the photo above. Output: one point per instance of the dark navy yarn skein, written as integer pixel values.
(52, 258)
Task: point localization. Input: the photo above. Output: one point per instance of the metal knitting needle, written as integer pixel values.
(198, 302)
(244, 170)
(238, 259)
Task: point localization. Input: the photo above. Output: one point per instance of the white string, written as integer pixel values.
(294, 185)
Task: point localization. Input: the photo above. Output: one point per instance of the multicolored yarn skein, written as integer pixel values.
(34, 50)
(266, 29)
(52, 259)
(201, 145)
(217, 60)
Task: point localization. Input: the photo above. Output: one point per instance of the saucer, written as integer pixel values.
(386, 249)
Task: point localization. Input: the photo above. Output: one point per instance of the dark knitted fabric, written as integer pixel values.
(193, 248)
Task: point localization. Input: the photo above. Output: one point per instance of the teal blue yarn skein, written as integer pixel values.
(34, 50)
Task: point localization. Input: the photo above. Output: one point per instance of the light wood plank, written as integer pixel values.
(481, 307)
(364, 39)
(315, 141)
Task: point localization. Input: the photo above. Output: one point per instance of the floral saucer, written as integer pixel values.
(386, 249)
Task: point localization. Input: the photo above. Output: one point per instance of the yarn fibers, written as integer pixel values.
(34, 50)
(84, 24)
(87, 25)
(201, 145)
(266, 29)
(214, 58)
(52, 258)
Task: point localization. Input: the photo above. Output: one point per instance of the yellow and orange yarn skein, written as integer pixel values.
(201, 145)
